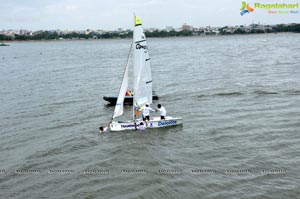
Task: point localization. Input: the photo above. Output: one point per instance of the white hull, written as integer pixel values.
(154, 122)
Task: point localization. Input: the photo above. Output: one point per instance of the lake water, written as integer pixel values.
(239, 97)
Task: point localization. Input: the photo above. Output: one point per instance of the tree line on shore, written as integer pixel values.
(49, 35)
(52, 35)
(276, 29)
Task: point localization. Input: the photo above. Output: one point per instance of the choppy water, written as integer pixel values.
(239, 98)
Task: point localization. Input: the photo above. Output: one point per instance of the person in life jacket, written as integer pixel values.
(137, 111)
(127, 93)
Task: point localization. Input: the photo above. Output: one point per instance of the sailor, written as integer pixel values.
(146, 112)
(162, 111)
(103, 129)
(141, 126)
(127, 93)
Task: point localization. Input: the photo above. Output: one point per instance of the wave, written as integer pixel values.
(255, 92)
(228, 94)
(264, 92)
(63, 103)
(283, 92)
(60, 126)
(234, 93)
(292, 92)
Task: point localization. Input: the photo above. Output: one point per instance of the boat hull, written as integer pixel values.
(154, 122)
(127, 100)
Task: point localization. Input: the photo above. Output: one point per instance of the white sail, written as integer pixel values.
(119, 108)
(141, 66)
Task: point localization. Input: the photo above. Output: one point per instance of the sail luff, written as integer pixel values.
(119, 108)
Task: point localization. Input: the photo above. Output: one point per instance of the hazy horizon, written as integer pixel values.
(114, 14)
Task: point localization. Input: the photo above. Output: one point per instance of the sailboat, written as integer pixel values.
(142, 86)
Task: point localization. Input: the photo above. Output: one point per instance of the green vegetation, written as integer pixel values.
(287, 28)
(164, 33)
(48, 35)
(255, 29)
(54, 35)
(239, 31)
(5, 38)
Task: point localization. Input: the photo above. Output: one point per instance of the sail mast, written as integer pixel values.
(136, 64)
(133, 76)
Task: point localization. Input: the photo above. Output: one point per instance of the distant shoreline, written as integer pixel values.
(190, 36)
(185, 31)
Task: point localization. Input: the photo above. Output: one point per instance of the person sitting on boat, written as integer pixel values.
(146, 112)
(127, 93)
(141, 126)
(162, 111)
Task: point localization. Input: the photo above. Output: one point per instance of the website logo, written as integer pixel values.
(271, 8)
(246, 8)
